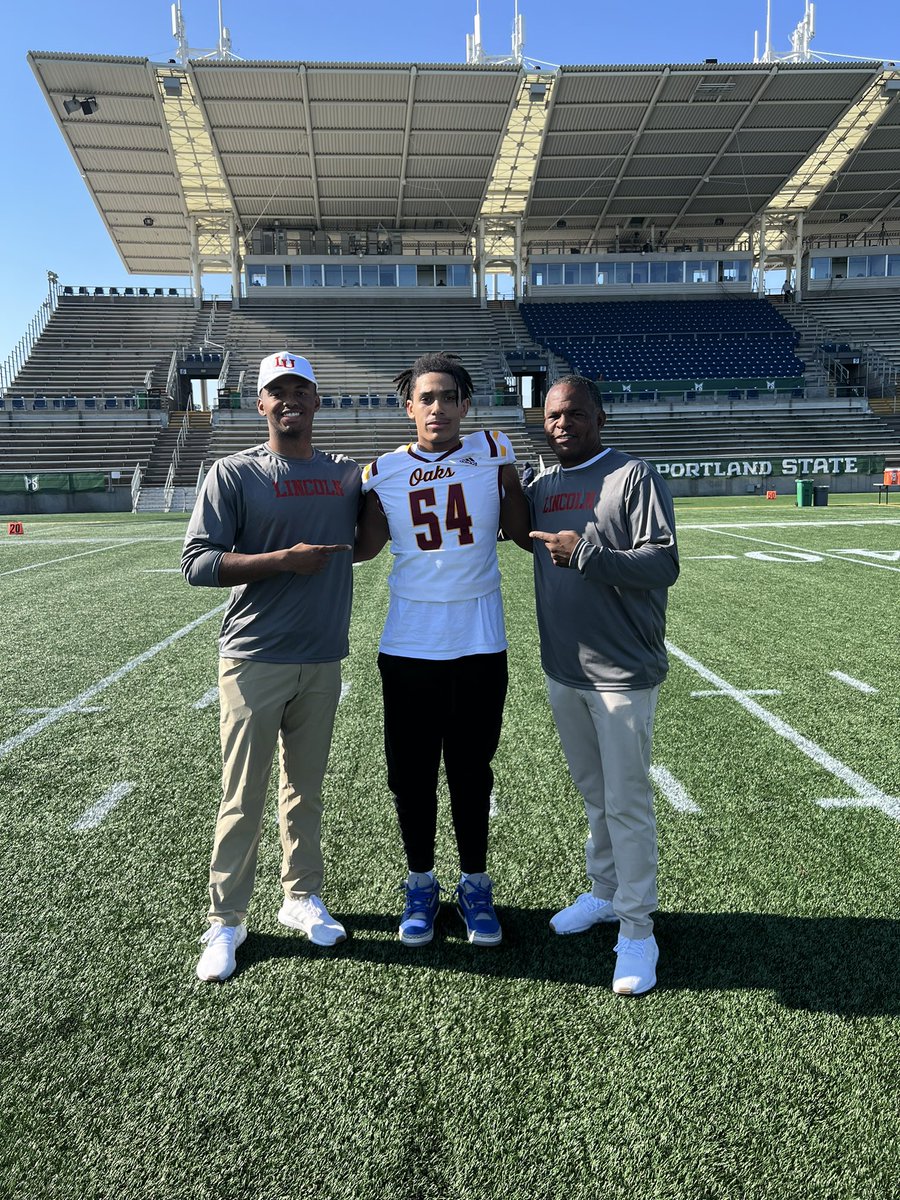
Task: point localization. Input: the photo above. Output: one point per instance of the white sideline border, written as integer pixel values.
(866, 794)
(73, 705)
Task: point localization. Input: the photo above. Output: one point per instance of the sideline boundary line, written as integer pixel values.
(71, 706)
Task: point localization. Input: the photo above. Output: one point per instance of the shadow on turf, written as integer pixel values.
(844, 965)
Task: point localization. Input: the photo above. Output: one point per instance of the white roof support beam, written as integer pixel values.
(879, 217)
(401, 182)
(313, 174)
(648, 113)
(757, 96)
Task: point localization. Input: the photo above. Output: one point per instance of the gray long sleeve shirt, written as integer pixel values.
(256, 502)
(602, 620)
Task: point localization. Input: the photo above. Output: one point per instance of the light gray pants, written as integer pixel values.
(606, 738)
(264, 704)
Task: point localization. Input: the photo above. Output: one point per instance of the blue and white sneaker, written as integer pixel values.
(423, 898)
(476, 907)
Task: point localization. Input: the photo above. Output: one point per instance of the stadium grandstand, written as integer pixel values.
(621, 222)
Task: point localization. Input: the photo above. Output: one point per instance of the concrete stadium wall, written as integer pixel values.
(30, 504)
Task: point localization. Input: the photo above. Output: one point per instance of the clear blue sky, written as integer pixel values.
(51, 222)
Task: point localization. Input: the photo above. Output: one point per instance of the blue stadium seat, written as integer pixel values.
(346, 401)
(363, 401)
(374, 401)
(111, 402)
(69, 402)
(40, 402)
(328, 402)
(90, 402)
(392, 401)
(18, 402)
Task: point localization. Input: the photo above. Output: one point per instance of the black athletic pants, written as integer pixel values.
(452, 707)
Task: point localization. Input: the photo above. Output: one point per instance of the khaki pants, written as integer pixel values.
(263, 704)
(606, 738)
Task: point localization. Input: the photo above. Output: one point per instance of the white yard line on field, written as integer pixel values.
(673, 790)
(33, 712)
(854, 683)
(799, 522)
(104, 806)
(867, 795)
(860, 562)
(22, 543)
(49, 561)
(747, 692)
(162, 570)
(71, 706)
(705, 557)
(345, 690)
(208, 698)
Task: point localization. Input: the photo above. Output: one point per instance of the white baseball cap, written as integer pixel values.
(283, 364)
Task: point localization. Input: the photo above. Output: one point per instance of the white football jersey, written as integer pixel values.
(443, 512)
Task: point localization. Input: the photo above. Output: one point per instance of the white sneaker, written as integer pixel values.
(636, 961)
(311, 916)
(217, 961)
(586, 911)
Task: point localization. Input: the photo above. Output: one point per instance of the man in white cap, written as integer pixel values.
(276, 524)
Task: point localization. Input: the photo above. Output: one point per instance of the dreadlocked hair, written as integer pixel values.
(443, 363)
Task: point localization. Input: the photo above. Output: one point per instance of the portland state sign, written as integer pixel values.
(737, 468)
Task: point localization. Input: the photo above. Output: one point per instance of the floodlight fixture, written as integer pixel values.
(843, 216)
(71, 105)
(537, 91)
(719, 221)
(148, 221)
(89, 105)
(171, 86)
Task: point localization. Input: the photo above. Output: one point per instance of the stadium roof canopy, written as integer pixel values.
(693, 150)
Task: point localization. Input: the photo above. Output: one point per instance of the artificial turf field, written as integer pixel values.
(765, 1063)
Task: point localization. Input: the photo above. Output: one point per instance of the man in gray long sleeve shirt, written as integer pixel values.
(276, 524)
(604, 557)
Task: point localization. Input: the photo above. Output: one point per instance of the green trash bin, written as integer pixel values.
(804, 493)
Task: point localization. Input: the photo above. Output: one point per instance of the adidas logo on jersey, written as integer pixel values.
(468, 462)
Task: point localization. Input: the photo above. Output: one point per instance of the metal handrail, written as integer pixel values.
(173, 367)
(136, 486)
(19, 355)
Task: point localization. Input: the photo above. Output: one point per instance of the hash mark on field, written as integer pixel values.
(345, 690)
(208, 698)
(746, 692)
(73, 705)
(673, 790)
(493, 810)
(867, 794)
(854, 683)
(104, 806)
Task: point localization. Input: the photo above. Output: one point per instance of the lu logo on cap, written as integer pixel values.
(283, 363)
